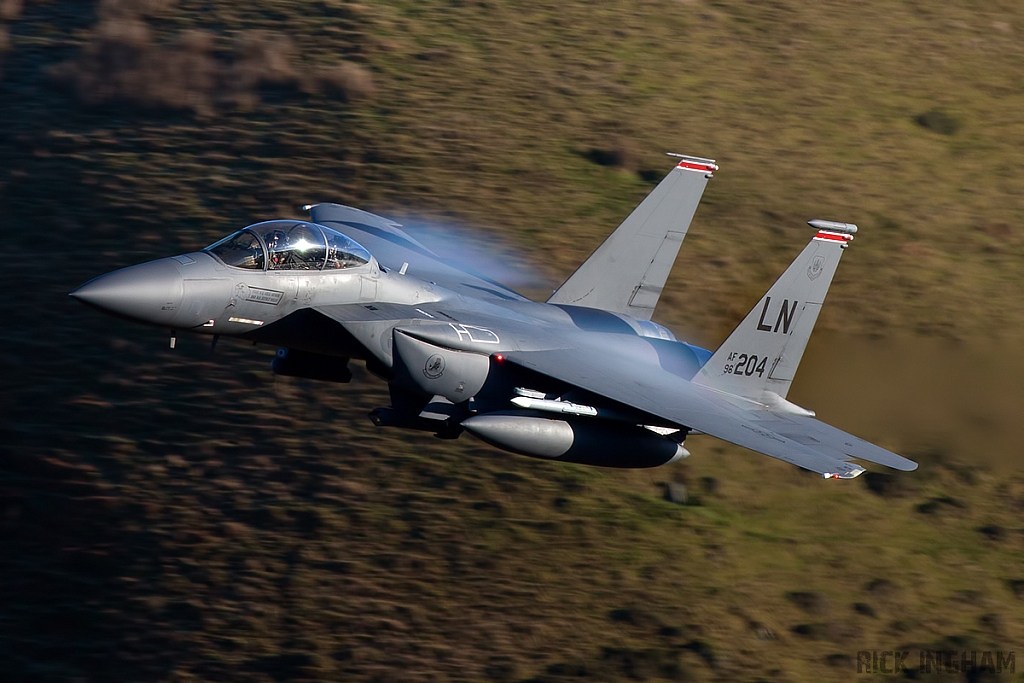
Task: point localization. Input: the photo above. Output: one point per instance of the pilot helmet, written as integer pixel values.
(276, 239)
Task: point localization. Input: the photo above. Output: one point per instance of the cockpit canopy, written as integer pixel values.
(289, 245)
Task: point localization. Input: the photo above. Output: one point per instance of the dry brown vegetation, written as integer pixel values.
(122, 62)
(10, 9)
(186, 516)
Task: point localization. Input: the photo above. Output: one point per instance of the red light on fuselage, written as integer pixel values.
(499, 357)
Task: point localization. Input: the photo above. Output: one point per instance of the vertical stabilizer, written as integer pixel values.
(628, 271)
(760, 357)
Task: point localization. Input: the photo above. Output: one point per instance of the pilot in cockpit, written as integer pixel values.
(277, 247)
(290, 245)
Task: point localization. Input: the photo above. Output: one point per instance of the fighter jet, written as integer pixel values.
(585, 377)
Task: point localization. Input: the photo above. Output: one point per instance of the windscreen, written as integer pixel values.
(241, 250)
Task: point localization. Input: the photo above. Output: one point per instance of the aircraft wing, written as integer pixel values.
(799, 440)
(393, 247)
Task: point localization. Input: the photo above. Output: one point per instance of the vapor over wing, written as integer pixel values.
(394, 249)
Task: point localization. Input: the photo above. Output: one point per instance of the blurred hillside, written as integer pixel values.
(187, 516)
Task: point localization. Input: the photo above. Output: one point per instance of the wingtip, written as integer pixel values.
(902, 464)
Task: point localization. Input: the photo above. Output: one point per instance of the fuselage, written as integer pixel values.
(198, 292)
(323, 300)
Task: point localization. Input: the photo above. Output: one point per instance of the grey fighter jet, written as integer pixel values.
(584, 377)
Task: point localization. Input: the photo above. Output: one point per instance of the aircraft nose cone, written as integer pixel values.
(149, 292)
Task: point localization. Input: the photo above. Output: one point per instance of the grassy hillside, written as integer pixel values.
(188, 516)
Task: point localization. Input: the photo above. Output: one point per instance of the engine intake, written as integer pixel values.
(439, 371)
(292, 363)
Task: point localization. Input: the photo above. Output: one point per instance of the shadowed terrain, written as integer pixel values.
(186, 515)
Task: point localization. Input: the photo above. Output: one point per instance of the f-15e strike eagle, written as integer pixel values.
(584, 377)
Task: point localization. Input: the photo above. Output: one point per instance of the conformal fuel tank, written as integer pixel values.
(589, 442)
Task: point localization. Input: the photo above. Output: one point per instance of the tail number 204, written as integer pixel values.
(745, 364)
